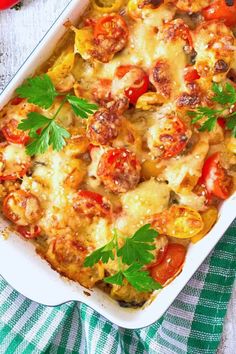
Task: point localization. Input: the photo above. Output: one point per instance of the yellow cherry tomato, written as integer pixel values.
(209, 218)
(178, 221)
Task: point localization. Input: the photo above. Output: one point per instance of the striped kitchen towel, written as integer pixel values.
(193, 324)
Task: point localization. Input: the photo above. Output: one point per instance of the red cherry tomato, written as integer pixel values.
(119, 170)
(29, 232)
(215, 177)
(20, 172)
(22, 208)
(6, 4)
(14, 135)
(221, 122)
(191, 74)
(110, 37)
(137, 79)
(160, 256)
(172, 262)
(13, 168)
(170, 138)
(219, 10)
(111, 26)
(92, 204)
(16, 100)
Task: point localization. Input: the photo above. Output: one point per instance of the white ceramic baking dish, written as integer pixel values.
(33, 277)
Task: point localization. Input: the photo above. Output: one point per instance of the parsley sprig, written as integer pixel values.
(131, 258)
(45, 131)
(226, 97)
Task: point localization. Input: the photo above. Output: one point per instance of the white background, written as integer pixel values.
(20, 31)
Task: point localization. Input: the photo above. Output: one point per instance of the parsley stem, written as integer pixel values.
(59, 108)
(117, 248)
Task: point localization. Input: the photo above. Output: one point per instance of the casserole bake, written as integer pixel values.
(151, 181)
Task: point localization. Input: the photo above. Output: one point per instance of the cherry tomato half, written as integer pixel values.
(22, 208)
(171, 264)
(110, 37)
(119, 170)
(29, 232)
(178, 221)
(219, 10)
(168, 137)
(216, 178)
(92, 204)
(6, 4)
(14, 135)
(159, 257)
(111, 26)
(135, 80)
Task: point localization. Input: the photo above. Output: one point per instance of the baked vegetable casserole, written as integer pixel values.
(118, 152)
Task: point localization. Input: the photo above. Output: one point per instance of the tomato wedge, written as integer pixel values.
(13, 135)
(92, 204)
(29, 232)
(170, 265)
(216, 178)
(135, 80)
(221, 10)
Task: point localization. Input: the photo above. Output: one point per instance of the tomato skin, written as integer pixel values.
(92, 204)
(108, 26)
(110, 36)
(160, 256)
(169, 137)
(30, 232)
(15, 176)
(215, 177)
(219, 10)
(141, 83)
(171, 264)
(178, 221)
(16, 100)
(22, 208)
(191, 75)
(6, 4)
(13, 135)
(221, 122)
(119, 170)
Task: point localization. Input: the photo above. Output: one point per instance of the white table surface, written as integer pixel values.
(20, 31)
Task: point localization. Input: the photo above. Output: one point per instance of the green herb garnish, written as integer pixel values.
(225, 96)
(131, 257)
(44, 131)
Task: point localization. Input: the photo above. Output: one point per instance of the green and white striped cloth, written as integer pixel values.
(193, 324)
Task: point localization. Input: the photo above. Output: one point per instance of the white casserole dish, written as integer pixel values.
(33, 277)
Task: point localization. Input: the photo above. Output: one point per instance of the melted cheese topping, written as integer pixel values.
(55, 178)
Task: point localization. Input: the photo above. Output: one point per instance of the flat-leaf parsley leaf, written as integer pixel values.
(44, 131)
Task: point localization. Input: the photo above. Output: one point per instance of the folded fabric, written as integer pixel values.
(193, 323)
